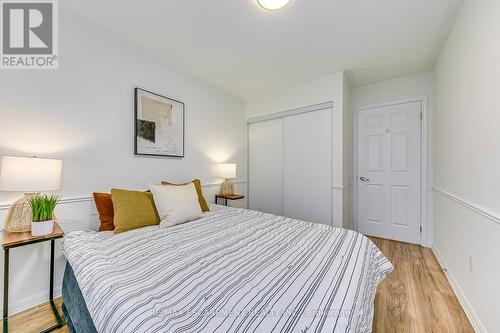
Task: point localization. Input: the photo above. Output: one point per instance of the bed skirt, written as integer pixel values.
(74, 308)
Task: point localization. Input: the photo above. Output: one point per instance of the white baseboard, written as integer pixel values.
(32, 301)
(464, 301)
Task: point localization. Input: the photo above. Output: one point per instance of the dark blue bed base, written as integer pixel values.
(74, 308)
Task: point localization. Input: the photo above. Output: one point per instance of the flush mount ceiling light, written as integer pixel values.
(273, 4)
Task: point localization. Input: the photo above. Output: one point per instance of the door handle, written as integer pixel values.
(364, 179)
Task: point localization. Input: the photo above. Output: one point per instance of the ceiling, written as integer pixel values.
(246, 51)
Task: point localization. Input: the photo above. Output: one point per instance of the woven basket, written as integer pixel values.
(19, 216)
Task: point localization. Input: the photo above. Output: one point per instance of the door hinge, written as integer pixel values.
(420, 229)
(421, 115)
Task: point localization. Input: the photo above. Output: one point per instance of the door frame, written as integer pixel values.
(425, 221)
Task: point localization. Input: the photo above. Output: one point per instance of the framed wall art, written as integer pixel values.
(159, 125)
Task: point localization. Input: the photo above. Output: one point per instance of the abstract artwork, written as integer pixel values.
(159, 125)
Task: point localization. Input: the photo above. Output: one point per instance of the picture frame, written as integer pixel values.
(159, 125)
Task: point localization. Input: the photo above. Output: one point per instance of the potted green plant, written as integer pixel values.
(42, 208)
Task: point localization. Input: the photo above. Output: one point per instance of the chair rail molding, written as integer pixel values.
(476, 208)
(217, 184)
(87, 198)
(69, 200)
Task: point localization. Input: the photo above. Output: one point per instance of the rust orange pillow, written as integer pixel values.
(106, 211)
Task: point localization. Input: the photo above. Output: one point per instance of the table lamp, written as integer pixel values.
(227, 171)
(30, 175)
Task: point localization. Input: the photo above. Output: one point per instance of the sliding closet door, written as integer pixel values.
(308, 166)
(265, 166)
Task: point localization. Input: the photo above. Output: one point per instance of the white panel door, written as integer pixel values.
(308, 167)
(265, 166)
(389, 172)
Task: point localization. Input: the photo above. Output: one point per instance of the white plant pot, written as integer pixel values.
(42, 228)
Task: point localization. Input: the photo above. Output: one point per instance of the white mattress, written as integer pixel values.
(233, 270)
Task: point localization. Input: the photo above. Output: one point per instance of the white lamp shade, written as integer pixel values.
(26, 174)
(227, 171)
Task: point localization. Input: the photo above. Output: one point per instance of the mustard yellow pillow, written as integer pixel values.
(197, 185)
(133, 209)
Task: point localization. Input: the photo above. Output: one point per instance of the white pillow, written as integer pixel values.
(176, 204)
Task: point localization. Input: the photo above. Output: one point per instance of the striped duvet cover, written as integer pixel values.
(233, 270)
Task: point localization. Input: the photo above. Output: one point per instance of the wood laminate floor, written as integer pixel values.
(415, 298)
(36, 319)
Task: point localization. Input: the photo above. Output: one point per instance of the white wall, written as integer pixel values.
(320, 90)
(83, 113)
(405, 87)
(467, 160)
(347, 157)
(400, 89)
(329, 88)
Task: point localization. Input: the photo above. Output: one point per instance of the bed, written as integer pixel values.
(233, 270)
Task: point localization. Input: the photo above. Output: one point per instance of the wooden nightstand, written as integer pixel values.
(228, 197)
(17, 239)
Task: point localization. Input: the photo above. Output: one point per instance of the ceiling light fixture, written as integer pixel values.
(273, 4)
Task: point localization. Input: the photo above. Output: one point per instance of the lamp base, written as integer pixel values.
(19, 215)
(226, 187)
